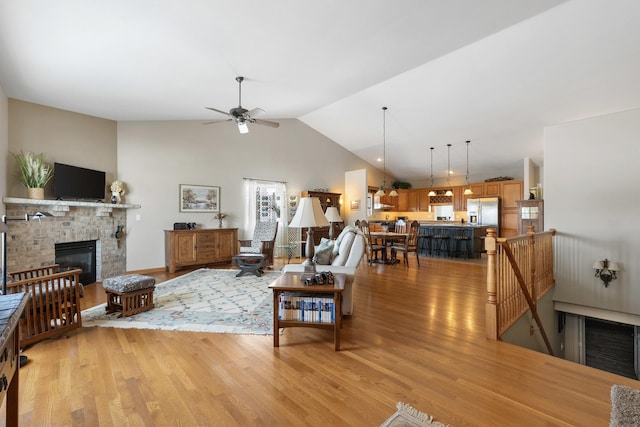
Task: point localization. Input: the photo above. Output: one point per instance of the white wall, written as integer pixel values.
(154, 158)
(4, 143)
(591, 177)
(61, 136)
(355, 183)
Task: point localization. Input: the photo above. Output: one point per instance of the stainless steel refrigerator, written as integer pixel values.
(484, 211)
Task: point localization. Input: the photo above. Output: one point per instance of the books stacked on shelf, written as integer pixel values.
(306, 308)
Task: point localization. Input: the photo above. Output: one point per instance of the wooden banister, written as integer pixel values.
(519, 272)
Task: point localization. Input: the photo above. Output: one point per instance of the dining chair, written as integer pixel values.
(372, 248)
(409, 245)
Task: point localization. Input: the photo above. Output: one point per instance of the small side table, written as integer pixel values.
(291, 282)
(290, 248)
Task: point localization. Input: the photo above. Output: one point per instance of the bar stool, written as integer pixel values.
(425, 240)
(461, 242)
(440, 242)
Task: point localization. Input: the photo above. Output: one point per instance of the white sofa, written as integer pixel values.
(346, 253)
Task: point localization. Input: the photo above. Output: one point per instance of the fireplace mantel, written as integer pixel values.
(61, 207)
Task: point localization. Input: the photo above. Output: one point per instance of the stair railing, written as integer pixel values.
(519, 273)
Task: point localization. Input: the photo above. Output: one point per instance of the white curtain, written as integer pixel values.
(267, 201)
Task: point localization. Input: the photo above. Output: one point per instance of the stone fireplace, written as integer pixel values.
(33, 243)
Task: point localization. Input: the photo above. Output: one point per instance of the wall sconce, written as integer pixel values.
(606, 270)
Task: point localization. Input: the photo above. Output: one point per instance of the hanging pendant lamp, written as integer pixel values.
(467, 191)
(431, 192)
(449, 192)
(381, 192)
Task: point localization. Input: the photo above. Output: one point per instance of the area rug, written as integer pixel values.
(202, 301)
(408, 416)
(625, 406)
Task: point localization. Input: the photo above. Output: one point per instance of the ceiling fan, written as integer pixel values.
(242, 116)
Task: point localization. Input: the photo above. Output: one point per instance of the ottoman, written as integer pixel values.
(249, 263)
(129, 294)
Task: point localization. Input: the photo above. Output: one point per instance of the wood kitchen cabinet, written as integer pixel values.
(459, 200)
(510, 193)
(408, 201)
(478, 190)
(184, 248)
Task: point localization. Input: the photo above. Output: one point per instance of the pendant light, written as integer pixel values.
(467, 191)
(431, 192)
(381, 192)
(449, 192)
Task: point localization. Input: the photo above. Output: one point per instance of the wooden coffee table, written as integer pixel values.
(291, 283)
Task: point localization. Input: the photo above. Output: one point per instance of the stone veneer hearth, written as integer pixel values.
(32, 244)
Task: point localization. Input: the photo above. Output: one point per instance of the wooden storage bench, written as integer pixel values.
(129, 294)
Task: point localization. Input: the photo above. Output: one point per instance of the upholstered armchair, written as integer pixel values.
(263, 242)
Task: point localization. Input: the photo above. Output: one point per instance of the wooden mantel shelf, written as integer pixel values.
(61, 207)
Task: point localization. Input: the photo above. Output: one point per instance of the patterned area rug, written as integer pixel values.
(408, 416)
(201, 301)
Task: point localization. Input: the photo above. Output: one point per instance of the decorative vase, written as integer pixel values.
(115, 197)
(35, 193)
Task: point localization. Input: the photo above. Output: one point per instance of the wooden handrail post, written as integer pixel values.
(491, 313)
(532, 262)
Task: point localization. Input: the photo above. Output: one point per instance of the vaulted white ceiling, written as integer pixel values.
(491, 71)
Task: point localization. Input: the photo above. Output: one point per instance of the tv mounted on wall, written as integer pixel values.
(73, 182)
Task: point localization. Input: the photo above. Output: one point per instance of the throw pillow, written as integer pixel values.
(324, 252)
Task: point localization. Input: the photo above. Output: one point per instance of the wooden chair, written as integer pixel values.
(372, 248)
(54, 307)
(409, 245)
(263, 242)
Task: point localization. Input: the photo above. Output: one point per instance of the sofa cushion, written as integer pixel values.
(324, 252)
(345, 247)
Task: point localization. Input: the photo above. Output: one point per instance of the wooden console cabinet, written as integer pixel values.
(185, 248)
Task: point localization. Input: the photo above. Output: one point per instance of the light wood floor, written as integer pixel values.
(416, 336)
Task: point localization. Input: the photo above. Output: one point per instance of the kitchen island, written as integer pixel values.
(475, 234)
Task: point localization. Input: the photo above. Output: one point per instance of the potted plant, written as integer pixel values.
(33, 173)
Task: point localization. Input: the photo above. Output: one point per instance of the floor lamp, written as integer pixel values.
(4, 229)
(309, 214)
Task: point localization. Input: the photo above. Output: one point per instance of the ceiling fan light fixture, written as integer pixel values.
(242, 127)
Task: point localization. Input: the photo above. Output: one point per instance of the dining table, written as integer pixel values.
(386, 238)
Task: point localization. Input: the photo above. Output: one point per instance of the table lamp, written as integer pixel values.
(332, 216)
(309, 214)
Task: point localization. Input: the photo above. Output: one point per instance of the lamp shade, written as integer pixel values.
(309, 214)
(598, 265)
(393, 193)
(332, 214)
(614, 266)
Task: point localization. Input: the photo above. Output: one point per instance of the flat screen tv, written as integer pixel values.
(73, 182)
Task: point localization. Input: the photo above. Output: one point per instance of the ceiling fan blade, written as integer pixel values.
(255, 112)
(266, 123)
(216, 121)
(217, 111)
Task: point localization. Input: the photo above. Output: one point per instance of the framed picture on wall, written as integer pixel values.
(199, 198)
(355, 205)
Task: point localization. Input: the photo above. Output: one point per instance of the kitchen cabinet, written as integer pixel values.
(478, 190)
(423, 199)
(510, 193)
(491, 189)
(459, 200)
(184, 248)
(408, 201)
